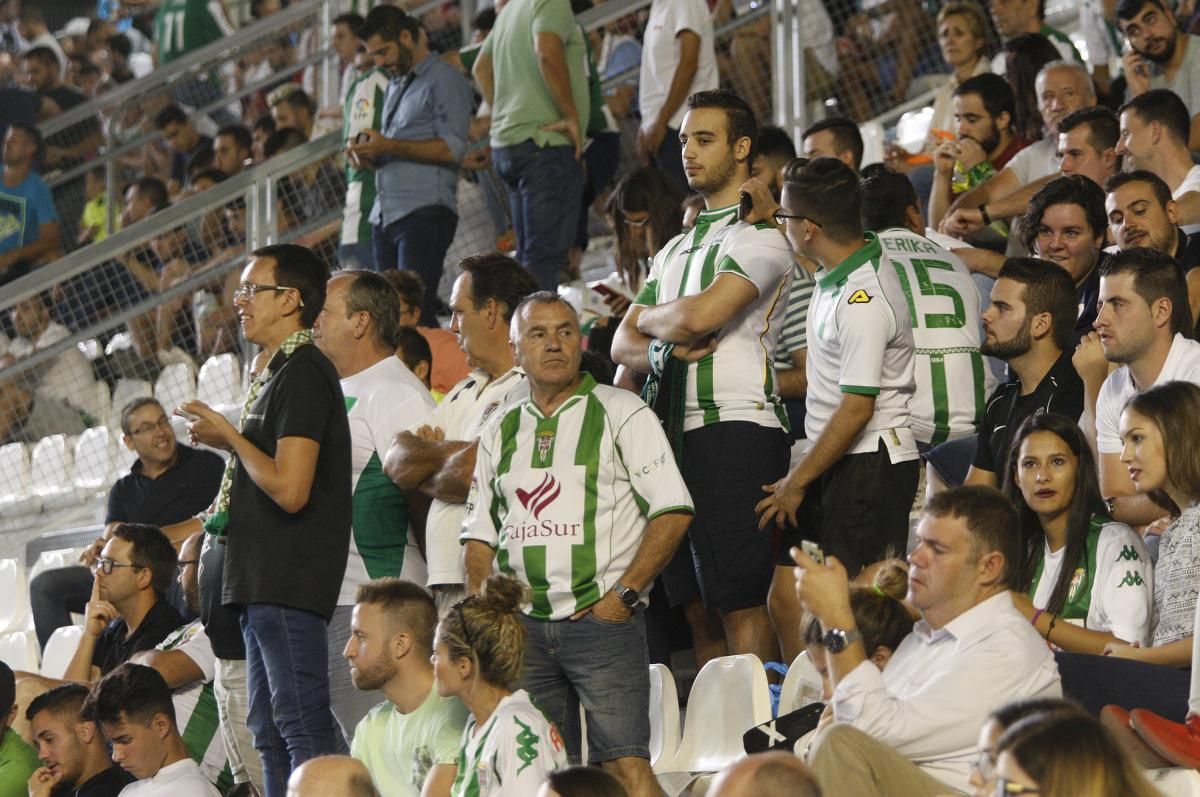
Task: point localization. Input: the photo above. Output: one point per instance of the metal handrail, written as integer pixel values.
(263, 175)
(208, 56)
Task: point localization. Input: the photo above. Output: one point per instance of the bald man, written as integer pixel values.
(331, 774)
(765, 775)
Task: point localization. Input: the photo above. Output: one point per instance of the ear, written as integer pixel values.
(1041, 325)
(128, 441)
(1160, 311)
(1109, 156)
(1173, 211)
(1004, 121)
(161, 725)
(85, 731)
(422, 370)
(914, 219)
(991, 569)
(491, 311)
(400, 644)
(880, 656)
(145, 578)
(741, 150)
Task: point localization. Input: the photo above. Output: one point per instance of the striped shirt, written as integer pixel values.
(511, 754)
(943, 308)
(794, 336)
(364, 109)
(737, 381)
(196, 705)
(565, 499)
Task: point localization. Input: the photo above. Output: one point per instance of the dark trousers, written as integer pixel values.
(418, 242)
(1097, 681)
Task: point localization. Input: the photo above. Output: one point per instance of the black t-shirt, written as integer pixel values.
(1089, 297)
(1060, 391)
(183, 491)
(1187, 251)
(113, 649)
(106, 784)
(221, 625)
(294, 560)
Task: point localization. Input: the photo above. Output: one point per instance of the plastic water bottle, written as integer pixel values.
(960, 181)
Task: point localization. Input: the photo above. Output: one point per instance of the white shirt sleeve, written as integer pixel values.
(197, 648)
(526, 751)
(1108, 412)
(650, 463)
(761, 256)
(690, 15)
(480, 523)
(864, 329)
(1123, 592)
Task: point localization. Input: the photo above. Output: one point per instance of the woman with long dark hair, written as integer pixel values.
(1084, 580)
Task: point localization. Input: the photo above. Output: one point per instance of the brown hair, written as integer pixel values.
(407, 604)
(485, 629)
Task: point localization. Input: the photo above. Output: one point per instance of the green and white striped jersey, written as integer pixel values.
(860, 342)
(511, 754)
(943, 308)
(381, 402)
(196, 705)
(364, 109)
(181, 26)
(737, 381)
(565, 499)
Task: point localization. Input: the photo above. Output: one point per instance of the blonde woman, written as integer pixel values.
(508, 745)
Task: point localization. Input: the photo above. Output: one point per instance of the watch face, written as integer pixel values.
(835, 640)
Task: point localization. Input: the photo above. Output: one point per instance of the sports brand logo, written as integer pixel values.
(1128, 554)
(542, 496)
(859, 297)
(527, 742)
(1131, 579)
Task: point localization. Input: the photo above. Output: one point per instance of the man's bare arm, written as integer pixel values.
(477, 564)
(412, 461)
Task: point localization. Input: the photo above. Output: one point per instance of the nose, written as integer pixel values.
(1042, 476)
(350, 651)
(1121, 150)
(1126, 452)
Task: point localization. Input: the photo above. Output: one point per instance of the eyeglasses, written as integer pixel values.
(248, 290)
(182, 563)
(1006, 788)
(146, 428)
(106, 565)
(781, 218)
(985, 764)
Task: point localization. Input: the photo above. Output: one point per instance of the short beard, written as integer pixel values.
(1015, 346)
(371, 680)
(715, 182)
(1166, 56)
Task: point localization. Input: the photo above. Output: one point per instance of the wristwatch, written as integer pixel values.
(628, 595)
(836, 640)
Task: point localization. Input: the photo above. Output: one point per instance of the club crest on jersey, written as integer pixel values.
(859, 297)
(1076, 583)
(545, 442)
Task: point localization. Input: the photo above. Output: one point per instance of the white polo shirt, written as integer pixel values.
(860, 341)
(1182, 365)
(952, 383)
(660, 54)
(461, 415)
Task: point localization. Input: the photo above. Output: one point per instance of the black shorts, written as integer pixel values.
(725, 467)
(857, 511)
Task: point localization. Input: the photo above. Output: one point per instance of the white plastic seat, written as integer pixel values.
(19, 650)
(126, 391)
(730, 696)
(1175, 781)
(125, 457)
(50, 473)
(220, 382)
(175, 385)
(60, 647)
(14, 595)
(97, 401)
(15, 496)
(93, 461)
(801, 686)
(52, 560)
(664, 716)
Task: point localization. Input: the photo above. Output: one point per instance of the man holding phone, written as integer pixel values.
(415, 151)
(363, 110)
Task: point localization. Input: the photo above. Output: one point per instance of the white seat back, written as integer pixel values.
(52, 560)
(49, 465)
(14, 596)
(730, 696)
(126, 391)
(19, 650)
(801, 686)
(175, 385)
(664, 716)
(220, 381)
(59, 650)
(93, 460)
(1175, 782)
(14, 471)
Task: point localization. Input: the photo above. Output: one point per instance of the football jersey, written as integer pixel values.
(565, 499)
(196, 705)
(181, 26)
(364, 109)
(381, 402)
(511, 754)
(860, 341)
(943, 309)
(737, 381)
(462, 415)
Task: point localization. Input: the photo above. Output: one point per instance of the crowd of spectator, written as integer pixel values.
(418, 557)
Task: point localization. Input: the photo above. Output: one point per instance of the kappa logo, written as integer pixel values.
(1131, 579)
(542, 496)
(859, 297)
(1128, 554)
(527, 742)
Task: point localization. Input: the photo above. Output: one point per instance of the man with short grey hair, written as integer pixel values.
(357, 330)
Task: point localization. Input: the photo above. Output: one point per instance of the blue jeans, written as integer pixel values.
(359, 255)
(418, 242)
(602, 665)
(669, 160)
(287, 683)
(545, 188)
